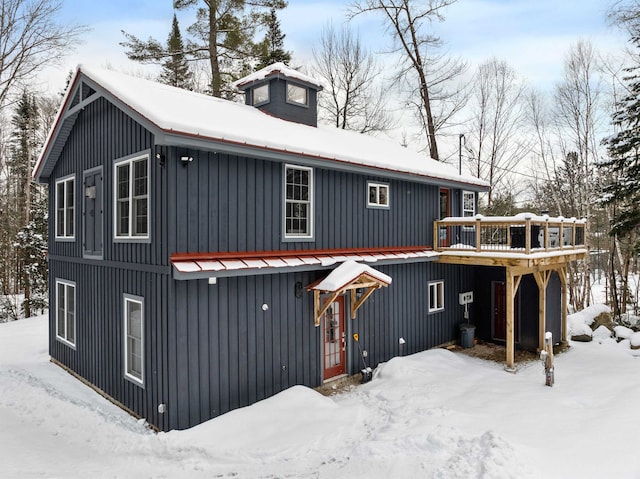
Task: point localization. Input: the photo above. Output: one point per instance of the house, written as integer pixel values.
(206, 254)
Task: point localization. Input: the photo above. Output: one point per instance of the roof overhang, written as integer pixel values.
(188, 266)
(351, 277)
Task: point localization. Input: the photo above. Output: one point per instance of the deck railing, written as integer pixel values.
(525, 233)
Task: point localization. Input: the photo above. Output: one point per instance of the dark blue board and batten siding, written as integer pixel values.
(101, 135)
(234, 203)
(225, 351)
(212, 348)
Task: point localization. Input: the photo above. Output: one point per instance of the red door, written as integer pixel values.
(499, 297)
(443, 239)
(334, 350)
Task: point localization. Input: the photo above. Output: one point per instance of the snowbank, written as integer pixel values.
(434, 414)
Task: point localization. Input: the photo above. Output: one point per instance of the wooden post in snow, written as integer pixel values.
(547, 356)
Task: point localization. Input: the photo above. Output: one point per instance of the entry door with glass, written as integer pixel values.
(334, 339)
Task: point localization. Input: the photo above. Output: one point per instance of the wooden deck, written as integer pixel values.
(522, 244)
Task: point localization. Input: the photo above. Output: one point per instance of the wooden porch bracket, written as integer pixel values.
(352, 277)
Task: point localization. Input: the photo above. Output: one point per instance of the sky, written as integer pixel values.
(533, 36)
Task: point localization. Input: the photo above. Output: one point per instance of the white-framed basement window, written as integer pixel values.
(66, 312)
(131, 198)
(65, 208)
(134, 338)
(298, 202)
(377, 195)
(436, 296)
(468, 204)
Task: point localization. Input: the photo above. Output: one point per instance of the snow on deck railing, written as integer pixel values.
(524, 232)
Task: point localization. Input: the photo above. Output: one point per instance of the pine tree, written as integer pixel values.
(175, 69)
(623, 166)
(28, 231)
(621, 192)
(223, 35)
(272, 47)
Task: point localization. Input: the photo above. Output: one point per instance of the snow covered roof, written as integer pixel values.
(346, 273)
(180, 117)
(278, 68)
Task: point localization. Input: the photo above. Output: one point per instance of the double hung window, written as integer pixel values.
(132, 198)
(298, 204)
(65, 208)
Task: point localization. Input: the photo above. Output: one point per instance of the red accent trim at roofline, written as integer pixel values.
(293, 253)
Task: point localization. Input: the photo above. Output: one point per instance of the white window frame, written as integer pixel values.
(130, 236)
(466, 212)
(69, 184)
(129, 373)
(69, 287)
(378, 187)
(292, 99)
(255, 101)
(436, 291)
(308, 235)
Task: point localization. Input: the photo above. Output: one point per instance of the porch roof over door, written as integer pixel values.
(349, 276)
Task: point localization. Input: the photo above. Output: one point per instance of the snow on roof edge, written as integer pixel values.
(185, 113)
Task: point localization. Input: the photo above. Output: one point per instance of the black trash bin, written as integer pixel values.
(467, 333)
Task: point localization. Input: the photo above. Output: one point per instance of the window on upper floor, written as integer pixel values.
(377, 195)
(65, 208)
(468, 204)
(436, 296)
(66, 312)
(296, 94)
(261, 94)
(134, 338)
(298, 202)
(131, 209)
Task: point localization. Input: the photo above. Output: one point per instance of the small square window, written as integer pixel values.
(261, 94)
(436, 296)
(378, 195)
(296, 94)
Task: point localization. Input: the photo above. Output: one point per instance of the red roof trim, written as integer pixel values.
(240, 255)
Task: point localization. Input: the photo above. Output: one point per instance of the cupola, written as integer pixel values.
(282, 92)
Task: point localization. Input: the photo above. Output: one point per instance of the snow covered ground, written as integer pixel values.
(435, 414)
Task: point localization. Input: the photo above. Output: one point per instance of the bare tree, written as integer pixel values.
(355, 98)
(30, 38)
(567, 144)
(407, 21)
(498, 124)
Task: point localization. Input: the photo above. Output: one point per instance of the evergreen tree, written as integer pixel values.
(175, 68)
(272, 47)
(23, 193)
(223, 35)
(623, 165)
(621, 191)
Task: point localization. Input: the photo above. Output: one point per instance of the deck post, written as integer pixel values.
(562, 272)
(478, 233)
(510, 366)
(542, 279)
